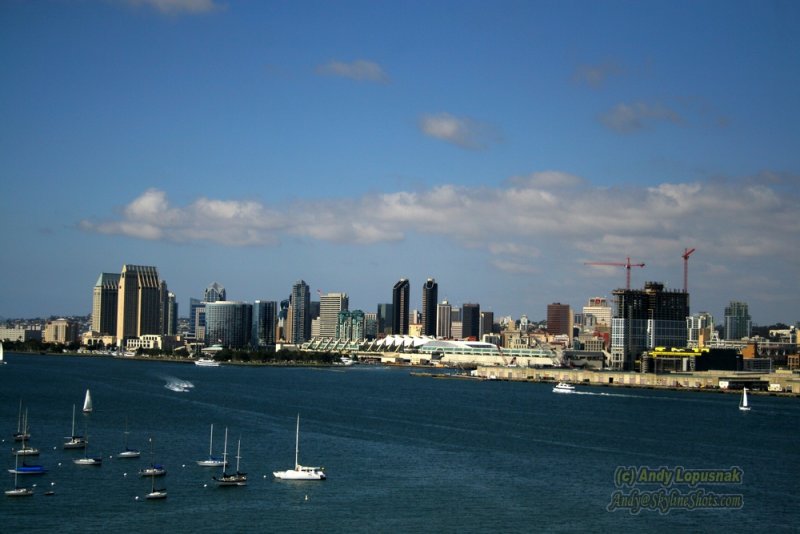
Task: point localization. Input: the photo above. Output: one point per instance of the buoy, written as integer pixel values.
(184, 465)
(306, 497)
(124, 474)
(59, 464)
(136, 498)
(205, 485)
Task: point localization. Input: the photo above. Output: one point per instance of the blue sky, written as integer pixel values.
(494, 146)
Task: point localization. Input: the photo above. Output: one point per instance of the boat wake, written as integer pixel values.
(177, 384)
(604, 394)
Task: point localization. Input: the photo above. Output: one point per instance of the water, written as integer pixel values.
(402, 453)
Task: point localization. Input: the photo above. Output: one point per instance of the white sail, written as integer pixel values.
(743, 405)
(1, 354)
(87, 402)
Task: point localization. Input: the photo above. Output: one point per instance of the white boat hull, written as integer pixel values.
(88, 461)
(301, 473)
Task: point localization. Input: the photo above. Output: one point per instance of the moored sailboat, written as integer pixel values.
(25, 450)
(17, 491)
(300, 472)
(128, 452)
(74, 441)
(154, 469)
(22, 433)
(211, 461)
(87, 460)
(232, 479)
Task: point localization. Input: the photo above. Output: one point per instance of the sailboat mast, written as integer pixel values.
(211, 441)
(238, 453)
(73, 420)
(297, 443)
(225, 452)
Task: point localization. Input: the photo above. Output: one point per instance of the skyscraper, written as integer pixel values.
(329, 307)
(737, 321)
(487, 323)
(559, 319)
(229, 323)
(214, 292)
(400, 305)
(138, 303)
(430, 298)
(385, 317)
(598, 307)
(265, 322)
(300, 312)
(104, 304)
(471, 321)
(350, 325)
(444, 320)
(645, 319)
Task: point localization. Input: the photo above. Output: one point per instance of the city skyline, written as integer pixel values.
(494, 147)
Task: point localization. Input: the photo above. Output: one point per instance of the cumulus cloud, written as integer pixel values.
(359, 70)
(461, 131)
(516, 224)
(628, 118)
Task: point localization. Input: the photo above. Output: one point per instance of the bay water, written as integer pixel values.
(403, 453)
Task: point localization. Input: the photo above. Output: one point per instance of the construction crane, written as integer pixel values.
(627, 266)
(686, 253)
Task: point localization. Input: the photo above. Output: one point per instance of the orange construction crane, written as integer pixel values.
(627, 266)
(686, 253)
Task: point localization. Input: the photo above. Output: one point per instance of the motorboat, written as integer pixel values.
(206, 362)
(563, 387)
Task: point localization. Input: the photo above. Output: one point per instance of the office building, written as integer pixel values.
(430, 298)
(444, 320)
(400, 305)
(61, 331)
(214, 292)
(559, 319)
(737, 321)
(598, 308)
(229, 323)
(385, 318)
(329, 307)
(487, 323)
(300, 313)
(471, 321)
(350, 325)
(265, 324)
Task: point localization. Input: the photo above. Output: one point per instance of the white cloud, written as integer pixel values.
(461, 131)
(628, 118)
(174, 7)
(359, 70)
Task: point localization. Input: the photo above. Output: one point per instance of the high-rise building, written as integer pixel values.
(214, 292)
(370, 325)
(430, 298)
(645, 319)
(265, 323)
(598, 308)
(444, 320)
(171, 320)
(385, 318)
(329, 307)
(300, 313)
(104, 304)
(138, 303)
(737, 321)
(229, 323)
(700, 329)
(487, 323)
(350, 325)
(471, 321)
(559, 319)
(400, 305)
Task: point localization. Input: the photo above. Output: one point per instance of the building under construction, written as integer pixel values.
(645, 319)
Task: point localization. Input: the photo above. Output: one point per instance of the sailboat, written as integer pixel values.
(74, 441)
(233, 479)
(87, 403)
(128, 452)
(154, 494)
(17, 491)
(743, 402)
(25, 450)
(300, 472)
(212, 461)
(22, 433)
(154, 470)
(2, 359)
(86, 460)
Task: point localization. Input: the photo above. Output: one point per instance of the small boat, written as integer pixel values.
(154, 469)
(18, 491)
(87, 403)
(300, 472)
(743, 405)
(232, 479)
(128, 452)
(87, 460)
(25, 450)
(175, 386)
(206, 362)
(212, 461)
(74, 441)
(156, 494)
(26, 469)
(563, 387)
(22, 433)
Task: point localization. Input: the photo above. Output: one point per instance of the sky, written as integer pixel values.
(497, 147)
